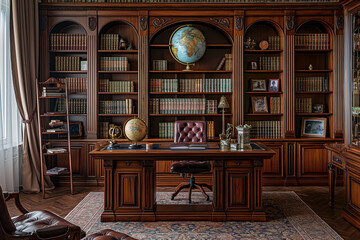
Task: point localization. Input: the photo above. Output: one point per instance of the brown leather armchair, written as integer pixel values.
(190, 131)
(34, 225)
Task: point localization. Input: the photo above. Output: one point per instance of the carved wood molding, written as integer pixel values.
(224, 22)
(158, 22)
(92, 23)
(143, 23)
(290, 22)
(239, 23)
(108, 163)
(340, 23)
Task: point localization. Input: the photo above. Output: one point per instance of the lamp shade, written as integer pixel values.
(223, 103)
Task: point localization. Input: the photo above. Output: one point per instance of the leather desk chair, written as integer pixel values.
(34, 225)
(190, 131)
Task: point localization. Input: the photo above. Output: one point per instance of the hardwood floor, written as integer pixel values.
(61, 202)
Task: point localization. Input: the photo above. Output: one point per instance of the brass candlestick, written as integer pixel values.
(222, 105)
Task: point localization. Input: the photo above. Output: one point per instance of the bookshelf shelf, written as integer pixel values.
(53, 115)
(312, 50)
(51, 97)
(50, 133)
(313, 71)
(118, 51)
(68, 51)
(263, 71)
(314, 114)
(263, 114)
(53, 154)
(264, 93)
(119, 72)
(190, 93)
(116, 115)
(117, 93)
(317, 92)
(69, 72)
(257, 51)
(190, 72)
(77, 93)
(59, 174)
(189, 115)
(77, 114)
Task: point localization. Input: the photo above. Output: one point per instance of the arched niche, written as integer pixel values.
(125, 30)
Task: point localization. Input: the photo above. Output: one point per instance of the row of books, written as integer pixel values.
(114, 64)
(226, 63)
(109, 41)
(303, 105)
(116, 106)
(211, 106)
(187, 1)
(181, 106)
(275, 106)
(159, 65)
(312, 84)
(191, 85)
(52, 92)
(166, 130)
(274, 42)
(269, 63)
(67, 63)
(104, 129)
(68, 41)
(75, 85)
(105, 85)
(316, 41)
(76, 106)
(265, 129)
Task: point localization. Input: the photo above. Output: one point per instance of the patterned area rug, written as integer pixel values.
(288, 218)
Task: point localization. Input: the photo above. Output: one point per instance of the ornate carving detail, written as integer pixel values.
(258, 163)
(290, 22)
(239, 23)
(340, 23)
(143, 23)
(224, 22)
(108, 163)
(157, 22)
(92, 23)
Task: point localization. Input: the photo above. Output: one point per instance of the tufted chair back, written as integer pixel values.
(6, 223)
(190, 131)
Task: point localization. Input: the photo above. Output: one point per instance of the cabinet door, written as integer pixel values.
(78, 162)
(312, 164)
(273, 169)
(238, 189)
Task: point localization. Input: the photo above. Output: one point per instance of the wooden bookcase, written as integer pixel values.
(226, 27)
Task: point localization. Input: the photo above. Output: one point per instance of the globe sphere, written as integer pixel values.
(135, 129)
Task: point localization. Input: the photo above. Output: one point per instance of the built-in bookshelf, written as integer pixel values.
(175, 94)
(117, 75)
(263, 80)
(313, 75)
(68, 62)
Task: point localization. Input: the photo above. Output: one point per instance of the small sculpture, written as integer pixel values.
(130, 47)
(229, 130)
(247, 43)
(310, 67)
(122, 44)
(253, 44)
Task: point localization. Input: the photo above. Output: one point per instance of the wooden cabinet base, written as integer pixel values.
(352, 218)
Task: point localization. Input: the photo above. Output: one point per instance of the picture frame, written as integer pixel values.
(258, 85)
(318, 108)
(274, 85)
(259, 104)
(314, 127)
(75, 129)
(253, 65)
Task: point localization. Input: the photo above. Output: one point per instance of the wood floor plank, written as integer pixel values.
(61, 202)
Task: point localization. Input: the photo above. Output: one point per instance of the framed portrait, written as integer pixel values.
(75, 129)
(318, 108)
(259, 105)
(274, 85)
(258, 85)
(313, 127)
(253, 65)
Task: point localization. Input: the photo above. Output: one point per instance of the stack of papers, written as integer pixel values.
(56, 170)
(199, 146)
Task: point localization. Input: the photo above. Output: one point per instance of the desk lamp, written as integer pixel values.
(223, 104)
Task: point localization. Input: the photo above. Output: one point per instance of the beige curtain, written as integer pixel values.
(24, 36)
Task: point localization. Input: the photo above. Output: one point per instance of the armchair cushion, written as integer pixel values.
(190, 166)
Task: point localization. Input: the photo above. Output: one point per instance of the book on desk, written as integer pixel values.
(192, 146)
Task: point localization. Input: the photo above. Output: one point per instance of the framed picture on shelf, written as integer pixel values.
(75, 129)
(258, 85)
(274, 85)
(313, 127)
(318, 108)
(259, 105)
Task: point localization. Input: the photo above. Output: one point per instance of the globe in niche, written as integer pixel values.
(187, 45)
(135, 129)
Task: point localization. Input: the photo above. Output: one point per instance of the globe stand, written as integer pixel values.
(135, 146)
(188, 67)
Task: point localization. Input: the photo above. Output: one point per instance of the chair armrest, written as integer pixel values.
(57, 232)
(16, 197)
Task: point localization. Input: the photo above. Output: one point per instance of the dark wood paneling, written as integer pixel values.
(238, 189)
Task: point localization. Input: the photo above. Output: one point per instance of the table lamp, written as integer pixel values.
(223, 104)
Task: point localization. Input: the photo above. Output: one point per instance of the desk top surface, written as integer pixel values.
(163, 150)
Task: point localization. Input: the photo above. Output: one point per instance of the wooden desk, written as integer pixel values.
(130, 193)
